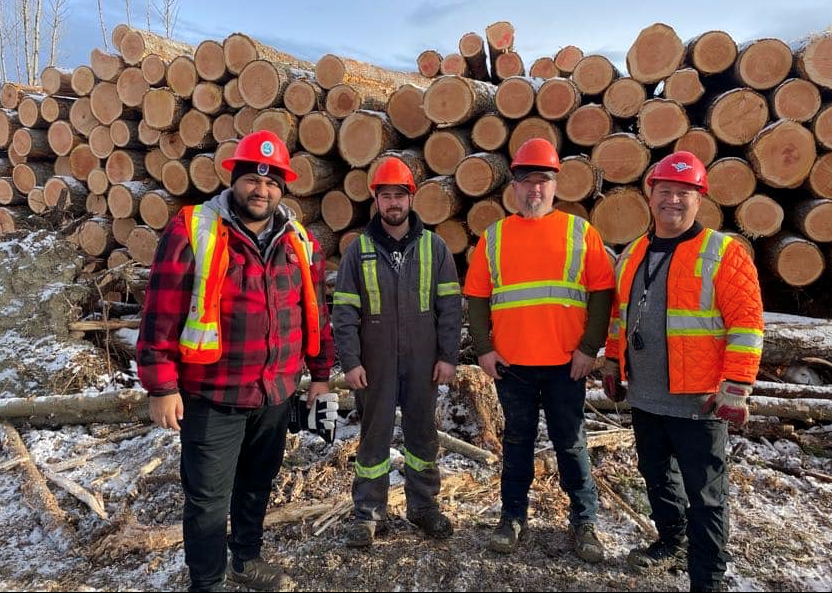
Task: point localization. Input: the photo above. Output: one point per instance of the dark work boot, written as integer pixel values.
(360, 533)
(587, 545)
(660, 555)
(507, 534)
(434, 524)
(258, 574)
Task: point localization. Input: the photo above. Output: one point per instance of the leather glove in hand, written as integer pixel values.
(730, 402)
(321, 418)
(611, 379)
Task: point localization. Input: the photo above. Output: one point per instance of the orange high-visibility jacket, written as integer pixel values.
(200, 341)
(714, 312)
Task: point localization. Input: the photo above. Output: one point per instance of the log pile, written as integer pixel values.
(129, 139)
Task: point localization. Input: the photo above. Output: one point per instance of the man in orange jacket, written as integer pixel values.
(687, 334)
(539, 291)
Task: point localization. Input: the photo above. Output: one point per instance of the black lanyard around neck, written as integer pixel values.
(649, 277)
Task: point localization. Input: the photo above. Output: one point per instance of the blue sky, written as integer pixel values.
(392, 34)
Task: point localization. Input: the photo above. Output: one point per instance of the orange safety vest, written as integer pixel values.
(701, 350)
(200, 341)
(539, 288)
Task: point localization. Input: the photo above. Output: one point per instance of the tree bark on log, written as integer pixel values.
(490, 132)
(813, 218)
(56, 108)
(762, 64)
(482, 173)
(331, 70)
(700, 142)
(122, 227)
(33, 144)
(731, 181)
(136, 44)
(445, 149)
(315, 175)
(28, 111)
(788, 341)
(712, 52)
(793, 259)
(452, 100)
(759, 216)
(404, 107)
(65, 193)
(782, 154)
(56, 81)
(9, 124)
(124, 198)
(28, 175)
(621, 215)
(240, 50)
(578, 179)
(327, 239)
(307, 210)
(472, 48)
(622, 158)
(437, 200)
(656, 53)
(9, 194)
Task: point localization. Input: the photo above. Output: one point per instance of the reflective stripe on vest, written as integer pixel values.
(565, 291)
(369, 267)
(301, 242)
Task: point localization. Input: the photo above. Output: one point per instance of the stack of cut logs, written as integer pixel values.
(123, 143)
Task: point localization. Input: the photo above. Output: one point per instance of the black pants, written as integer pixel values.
(683, 462)
(229, 458)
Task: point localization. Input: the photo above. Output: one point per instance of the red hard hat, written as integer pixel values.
(263, 147)
(536, 153)
(681, 166)
(393, 171)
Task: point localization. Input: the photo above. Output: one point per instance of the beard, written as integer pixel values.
(395, 217)
(249, 209)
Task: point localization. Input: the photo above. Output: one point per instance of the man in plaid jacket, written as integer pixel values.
(234, 308)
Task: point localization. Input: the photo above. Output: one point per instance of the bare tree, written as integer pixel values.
(59, 13)
(168, 11)
(2, 43)
(147, 5)
(33, 62)
(103, 26)
(127, 11)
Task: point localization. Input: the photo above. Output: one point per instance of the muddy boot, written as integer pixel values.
(360, 534)
(258, 574)
(434, 524)
(220, 586)
(507, 534)
(587, 545)
(658, 556)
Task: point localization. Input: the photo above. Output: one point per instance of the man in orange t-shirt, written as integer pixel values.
(540, 288)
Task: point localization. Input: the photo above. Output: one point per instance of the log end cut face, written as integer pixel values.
(515, 97)
(700, 142)
(475, 176)
(154, 210)
(431, 203)
(760, 216)
(797, 99)
(356, 185)
(624, 97)
(655, 54)
(533, 127)
(361, 139)
(576, 179)
(783, 154)
(406, 113)
(593, 75)
(317, 133)
(731, 181)
(557, 98)
(588, 124)
(621, 157)
(765, 64)
(300, 97)
(443, 152)
(661, 122)
(448, 100)
(738, 116)
(709, 215)
(816, 61)
(259, 84)
(621, 216)
(819, 221)
(714, 52)
(329, 71)
(800, 263)
(490, 132)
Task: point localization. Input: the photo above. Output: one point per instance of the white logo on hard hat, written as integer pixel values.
(680, 166)
(267, 148)
(262, 169)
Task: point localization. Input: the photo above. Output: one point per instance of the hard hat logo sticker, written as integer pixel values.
(680, 166)
(262, 169)
(267, 148)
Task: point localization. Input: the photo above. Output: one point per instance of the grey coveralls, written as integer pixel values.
(397, 325)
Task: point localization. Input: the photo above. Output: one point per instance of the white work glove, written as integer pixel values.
(321, 416)
(730, 402)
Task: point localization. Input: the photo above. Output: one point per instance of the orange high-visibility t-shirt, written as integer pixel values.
(534, 251)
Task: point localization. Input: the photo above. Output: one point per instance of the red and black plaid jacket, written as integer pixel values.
(261, 320)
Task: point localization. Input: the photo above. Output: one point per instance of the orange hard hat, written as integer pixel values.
(536, 153)
(264, 148)
(393, 171)
(681, 166)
